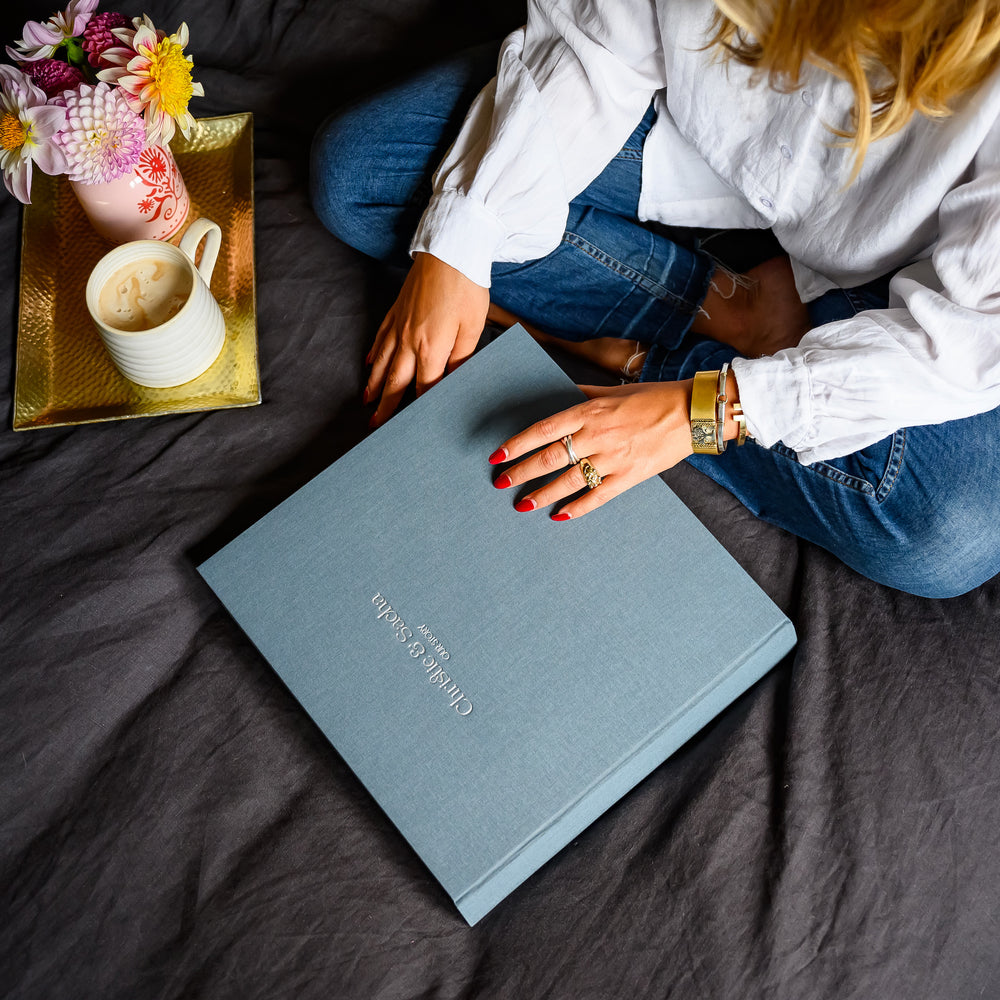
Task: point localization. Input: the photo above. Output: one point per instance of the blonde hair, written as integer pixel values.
(900, 56)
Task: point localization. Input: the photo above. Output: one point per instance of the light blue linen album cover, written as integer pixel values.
(496, 680)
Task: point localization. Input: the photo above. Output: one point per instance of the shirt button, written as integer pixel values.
(807, 98)
(786, 152)
(767, 203)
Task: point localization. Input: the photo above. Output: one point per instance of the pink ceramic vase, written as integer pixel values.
(151, 203)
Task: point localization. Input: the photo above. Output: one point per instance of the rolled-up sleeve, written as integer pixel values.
(933, 356)
(570, 88)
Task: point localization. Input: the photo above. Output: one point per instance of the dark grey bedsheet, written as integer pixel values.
(172, 825)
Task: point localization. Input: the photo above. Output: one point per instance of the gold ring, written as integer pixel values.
(594, 479)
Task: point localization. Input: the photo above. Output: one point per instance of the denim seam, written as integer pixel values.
(705, 284)
(605, 321)
(640, 315)
(669, 323)
(625, 153)
(828, 472)
(894, 466)
(856, 302)
(628, 273)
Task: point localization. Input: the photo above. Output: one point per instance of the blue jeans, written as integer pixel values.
(917, 511)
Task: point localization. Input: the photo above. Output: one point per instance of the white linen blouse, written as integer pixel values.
(725, 152)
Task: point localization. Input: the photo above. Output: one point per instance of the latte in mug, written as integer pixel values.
(154, 310)
(144, 294)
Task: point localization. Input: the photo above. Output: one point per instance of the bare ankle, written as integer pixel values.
(728, 312)
(757, 313)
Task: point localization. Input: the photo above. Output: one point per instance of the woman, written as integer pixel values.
(865, 136)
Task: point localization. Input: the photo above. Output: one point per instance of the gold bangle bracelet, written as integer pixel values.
(704, 439)
(741, 424)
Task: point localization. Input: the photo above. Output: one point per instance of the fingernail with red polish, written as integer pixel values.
(368, 359)
(365, 397)
(502, 482)
(561, 516)
(500, 455)
(523, 506)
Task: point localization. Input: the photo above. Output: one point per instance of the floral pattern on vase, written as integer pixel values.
(150, 203)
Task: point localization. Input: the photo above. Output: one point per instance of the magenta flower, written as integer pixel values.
(103, 138)
(41, 39)
(53, 75)
(27, 133)
(97, 37)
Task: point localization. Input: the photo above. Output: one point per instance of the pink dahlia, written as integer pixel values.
(103, 138)
(53, 75)
(97, 37)
(42, 38)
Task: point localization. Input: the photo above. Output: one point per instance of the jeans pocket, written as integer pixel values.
(873, 470)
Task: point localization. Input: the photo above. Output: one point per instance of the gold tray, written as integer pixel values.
(64, 375)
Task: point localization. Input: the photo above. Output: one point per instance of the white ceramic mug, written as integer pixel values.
(154, 309)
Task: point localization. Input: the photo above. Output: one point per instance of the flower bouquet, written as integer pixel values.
(98, 98)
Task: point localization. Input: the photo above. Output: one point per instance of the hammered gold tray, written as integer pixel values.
(64, 375)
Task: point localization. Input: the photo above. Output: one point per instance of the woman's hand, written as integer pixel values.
(433, 326)
(628, 433)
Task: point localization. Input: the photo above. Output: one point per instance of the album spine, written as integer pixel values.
(476, 901)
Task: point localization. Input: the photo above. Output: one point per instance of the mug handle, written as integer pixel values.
(198, 230)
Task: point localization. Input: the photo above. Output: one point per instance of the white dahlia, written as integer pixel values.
(43, 38)
(103, 137)
(28, 128)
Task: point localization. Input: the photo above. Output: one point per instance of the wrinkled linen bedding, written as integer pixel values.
(173, 825)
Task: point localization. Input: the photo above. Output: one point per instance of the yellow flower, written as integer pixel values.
(154, 76)
(13, 131)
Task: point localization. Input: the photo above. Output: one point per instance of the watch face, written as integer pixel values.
(703, 434)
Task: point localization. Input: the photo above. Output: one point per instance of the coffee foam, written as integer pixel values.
(143, 294)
